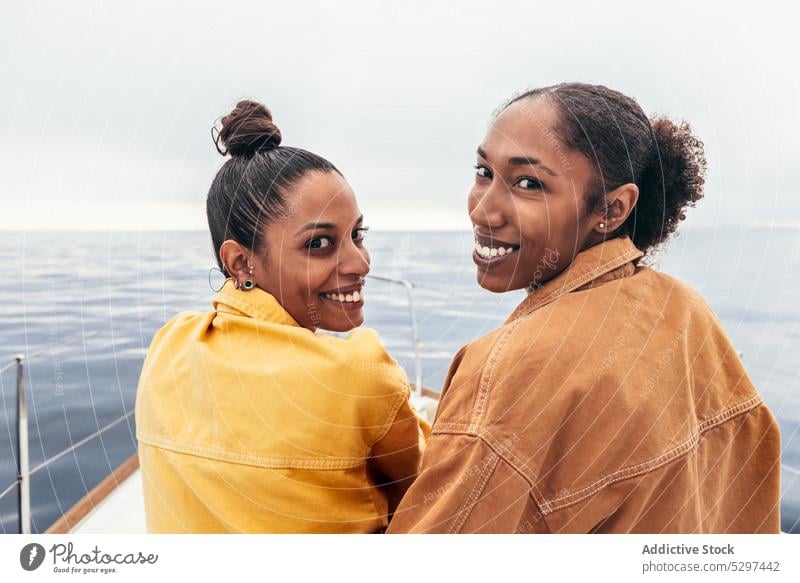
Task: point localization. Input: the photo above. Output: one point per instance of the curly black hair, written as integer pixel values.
(663, 158)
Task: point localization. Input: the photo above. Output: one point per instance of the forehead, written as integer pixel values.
(321, 196)
(525, 127)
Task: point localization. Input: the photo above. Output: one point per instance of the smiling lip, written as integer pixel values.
(348, 298)
(344, 290)
(490, 252)
(491, 262)
(492, 242)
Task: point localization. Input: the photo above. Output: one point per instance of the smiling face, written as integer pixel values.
(314, 260)
(528, 205)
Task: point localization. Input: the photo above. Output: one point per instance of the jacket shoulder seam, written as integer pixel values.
(487, 372)
(472, 499)
(503, 451)
(647, 466)
(271, 462)
(391, 417)
(548, 506)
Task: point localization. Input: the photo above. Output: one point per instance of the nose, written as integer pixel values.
(353, 259)
(485, 208)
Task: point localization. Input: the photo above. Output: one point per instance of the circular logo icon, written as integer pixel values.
(31, 556)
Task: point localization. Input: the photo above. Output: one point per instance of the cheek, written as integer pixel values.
(558, 217)
(569, 216)
(531, 218)
(297, 272)
(316, 273)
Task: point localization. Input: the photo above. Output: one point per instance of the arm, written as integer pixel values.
(466, 487)
(395, 458)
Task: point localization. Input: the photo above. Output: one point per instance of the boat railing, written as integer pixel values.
(22, 457)
(417, 345)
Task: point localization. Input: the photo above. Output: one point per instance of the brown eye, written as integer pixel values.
(319, 243)
(530, 183)
(482, 171)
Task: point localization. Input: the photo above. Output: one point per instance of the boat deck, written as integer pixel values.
(114, 506)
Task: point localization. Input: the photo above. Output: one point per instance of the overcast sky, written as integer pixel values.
(107, 107)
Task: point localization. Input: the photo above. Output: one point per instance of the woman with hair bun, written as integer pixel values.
(611, 400)
(248, 421)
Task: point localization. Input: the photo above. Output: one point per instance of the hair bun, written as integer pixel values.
(246, 130)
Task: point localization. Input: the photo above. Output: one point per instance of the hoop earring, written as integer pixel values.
(222, 273)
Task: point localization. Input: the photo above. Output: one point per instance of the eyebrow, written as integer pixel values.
(323, 226)
(521, 161)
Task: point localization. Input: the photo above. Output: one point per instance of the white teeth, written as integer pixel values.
(488, 252)
(350, 298)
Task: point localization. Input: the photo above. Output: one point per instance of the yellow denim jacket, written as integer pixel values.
(248, 422)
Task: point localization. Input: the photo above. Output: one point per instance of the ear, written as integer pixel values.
(235, 259)
(620, 204)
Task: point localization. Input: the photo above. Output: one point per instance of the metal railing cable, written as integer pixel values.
(77, 444)
(8, 366)
(409, 287)
(10, 487)
(791, 469)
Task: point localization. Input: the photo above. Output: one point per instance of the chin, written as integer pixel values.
(342, 324)
(496, 285)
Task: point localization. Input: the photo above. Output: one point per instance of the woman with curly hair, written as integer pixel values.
(611, 400)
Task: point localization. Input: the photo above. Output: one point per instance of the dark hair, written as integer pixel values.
(249, 191)
(665, 160)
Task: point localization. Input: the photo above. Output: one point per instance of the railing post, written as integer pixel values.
(414, 334)
(24, 488)
(415, 337)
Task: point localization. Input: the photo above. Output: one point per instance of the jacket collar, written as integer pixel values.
(598, 264)
(254, 303)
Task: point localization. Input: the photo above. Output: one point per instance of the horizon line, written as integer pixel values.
(753, 225)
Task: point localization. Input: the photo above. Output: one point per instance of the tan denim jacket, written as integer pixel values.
(610, 401)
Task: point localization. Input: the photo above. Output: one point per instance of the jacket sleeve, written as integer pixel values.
(395, 458)
(466, 487)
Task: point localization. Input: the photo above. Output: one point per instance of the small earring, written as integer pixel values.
(248, 283)
(602, 225)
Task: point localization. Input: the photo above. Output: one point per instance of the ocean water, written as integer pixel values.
(87, 305)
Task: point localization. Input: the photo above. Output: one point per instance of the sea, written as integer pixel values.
(82, 308)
